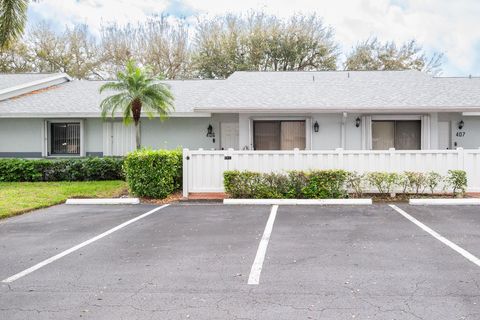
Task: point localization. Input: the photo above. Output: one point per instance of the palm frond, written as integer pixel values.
(135, 83)
(13, 16)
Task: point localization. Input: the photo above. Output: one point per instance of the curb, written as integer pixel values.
(104, 201)
(299, 201)
(439, 202)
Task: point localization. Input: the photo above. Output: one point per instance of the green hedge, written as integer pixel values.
(323, 184)
(153, 173)
(84, 169)
(317, 184)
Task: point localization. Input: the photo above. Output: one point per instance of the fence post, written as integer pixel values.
(391, 163)
(186, 158)
(296, 156)
(339, 151)
(461, 158)
(229, 158)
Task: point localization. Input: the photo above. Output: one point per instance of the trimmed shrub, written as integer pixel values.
(417, 181)
(457, 180)
(295, 184)
(153, 173)
(17, 170)
(297, 180)
(324, 184)
(384, 182)
(433, 180)
(356, 183)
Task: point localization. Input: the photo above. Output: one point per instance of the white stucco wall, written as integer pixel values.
(329, 135)
(471, 130)
(183, 132)
(23, 136)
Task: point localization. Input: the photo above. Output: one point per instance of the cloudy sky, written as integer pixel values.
(451, 27)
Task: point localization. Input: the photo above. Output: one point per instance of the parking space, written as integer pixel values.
(30, 238)
(460, 224)
(194, 261)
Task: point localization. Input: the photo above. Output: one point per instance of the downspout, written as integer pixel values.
(344, 130)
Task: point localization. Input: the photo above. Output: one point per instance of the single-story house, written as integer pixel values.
(52, 115)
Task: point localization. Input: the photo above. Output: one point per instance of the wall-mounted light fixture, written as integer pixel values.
(316, 127)
(210, 132)
(461, 124)
(357, 122)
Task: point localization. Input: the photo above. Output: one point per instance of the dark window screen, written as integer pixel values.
(65, 138)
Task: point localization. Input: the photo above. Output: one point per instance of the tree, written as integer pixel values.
(138, 91)
(17, 59)
(73, 51)
(161, 42)
(374, 55)
(261, 42)
(13, 16)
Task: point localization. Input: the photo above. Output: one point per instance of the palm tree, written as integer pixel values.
(13, 16)
(137, 90)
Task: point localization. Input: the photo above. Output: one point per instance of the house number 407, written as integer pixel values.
(461, 134)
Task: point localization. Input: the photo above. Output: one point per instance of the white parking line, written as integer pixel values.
(257, 266)
(439, 237)
(79, 246)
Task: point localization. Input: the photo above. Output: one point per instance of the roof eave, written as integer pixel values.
(340, 110)
(30, 86)
(77, 115)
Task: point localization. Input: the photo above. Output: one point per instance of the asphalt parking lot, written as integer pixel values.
(212, 261)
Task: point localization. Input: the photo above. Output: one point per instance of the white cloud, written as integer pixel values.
(440, 25)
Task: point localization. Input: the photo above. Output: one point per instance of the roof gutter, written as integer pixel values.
(28, 87)
(96, 115)
(467, 110)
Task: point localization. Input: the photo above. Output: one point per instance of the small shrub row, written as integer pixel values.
(153, 173)
(407, 182)
(84, 169)
(319, 184)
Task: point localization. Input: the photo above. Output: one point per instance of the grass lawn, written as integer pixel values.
(20, 197)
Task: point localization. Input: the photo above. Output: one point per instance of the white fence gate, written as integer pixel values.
(203, 170)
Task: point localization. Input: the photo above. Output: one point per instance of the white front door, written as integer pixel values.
(443, 135)
(229, 135)
(118, 139)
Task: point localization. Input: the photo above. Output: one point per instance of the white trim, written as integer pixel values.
(308, 126)
(46, 151)
(386, 110)
(467, 114)
(445, 202)
(343, 133)
(96, 115)
(399, 117)
(104, 201)
(299, 201)
(27, 87)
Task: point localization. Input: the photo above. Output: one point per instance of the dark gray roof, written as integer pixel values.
(81, 96)
(341, 90)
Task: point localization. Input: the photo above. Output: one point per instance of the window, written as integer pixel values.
(279, 135)
(398, 134)
(65, 138)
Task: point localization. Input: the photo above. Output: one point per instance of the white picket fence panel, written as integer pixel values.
(203, 169)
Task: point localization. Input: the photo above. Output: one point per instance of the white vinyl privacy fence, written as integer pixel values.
(203, 170)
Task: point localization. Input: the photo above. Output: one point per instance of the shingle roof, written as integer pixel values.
(363, 91)
(342, 90)
(10, 80)
(83, 97)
